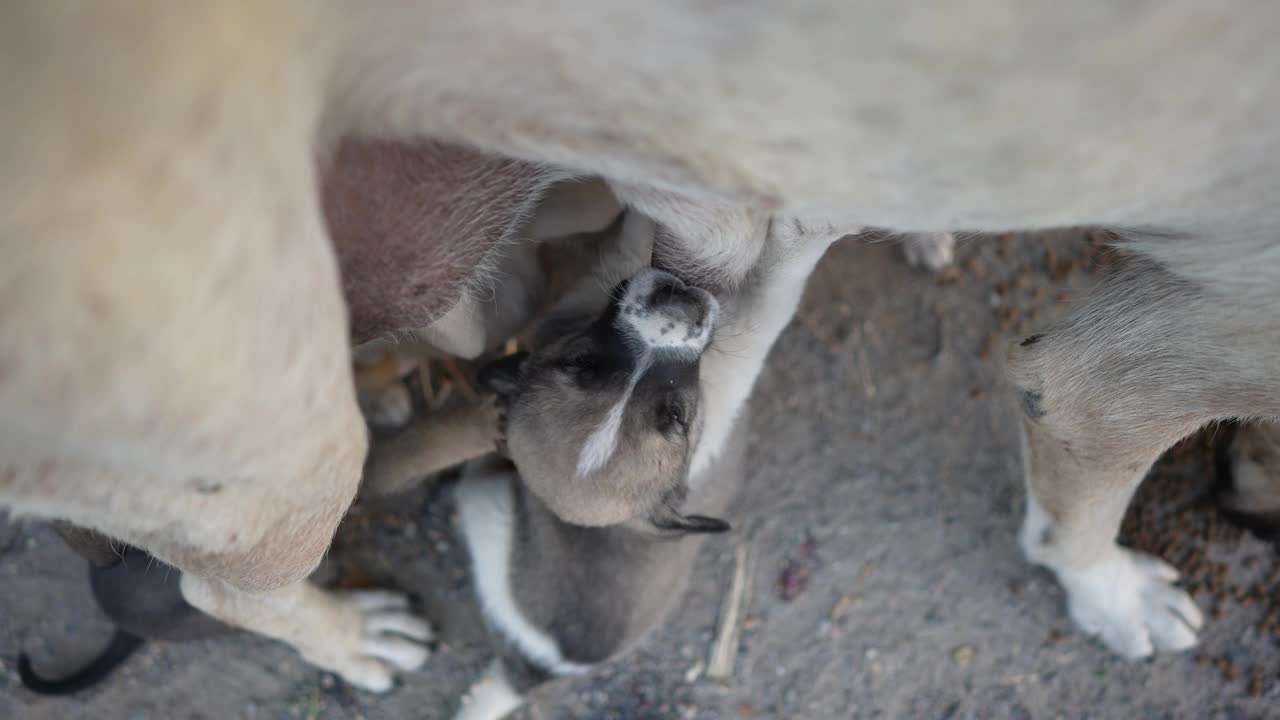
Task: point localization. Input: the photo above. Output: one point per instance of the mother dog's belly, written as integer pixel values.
(965, 116)
(413, 222)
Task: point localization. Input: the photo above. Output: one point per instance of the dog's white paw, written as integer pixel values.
(491, 698)
(387, 638)
(930, 251)
(1130, 603)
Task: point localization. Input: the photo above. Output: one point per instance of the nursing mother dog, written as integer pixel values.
(160, 214)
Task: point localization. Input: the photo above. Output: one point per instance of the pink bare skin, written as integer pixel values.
(412, 223)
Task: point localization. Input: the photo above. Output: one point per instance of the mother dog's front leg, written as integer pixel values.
(1078, 487)
(1146, 360)
(361, 635)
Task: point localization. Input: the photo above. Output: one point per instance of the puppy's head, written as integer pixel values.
(602, 415)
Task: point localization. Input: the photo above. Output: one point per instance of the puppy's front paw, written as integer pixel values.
(930, 251)
(1129, 602)
(382, 637)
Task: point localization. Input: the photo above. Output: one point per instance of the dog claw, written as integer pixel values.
(386, 638)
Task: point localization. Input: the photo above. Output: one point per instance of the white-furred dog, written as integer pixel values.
(181, 183)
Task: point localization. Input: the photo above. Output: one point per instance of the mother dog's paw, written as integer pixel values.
(1130, 603)
(385, 638)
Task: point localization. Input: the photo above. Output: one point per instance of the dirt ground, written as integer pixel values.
(881, 516)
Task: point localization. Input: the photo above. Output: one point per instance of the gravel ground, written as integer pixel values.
(881, 515)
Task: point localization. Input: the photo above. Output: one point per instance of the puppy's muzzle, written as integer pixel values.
(676, 301)
(663, 311)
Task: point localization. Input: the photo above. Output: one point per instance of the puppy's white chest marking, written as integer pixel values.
(485, 509)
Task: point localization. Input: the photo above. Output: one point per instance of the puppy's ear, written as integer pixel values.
(668, 520)
(502, 376)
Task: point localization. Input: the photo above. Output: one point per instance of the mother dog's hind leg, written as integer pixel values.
(1146, 360)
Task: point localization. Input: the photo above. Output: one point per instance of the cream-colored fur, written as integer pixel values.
(160, 165)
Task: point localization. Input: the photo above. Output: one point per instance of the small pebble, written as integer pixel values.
(789, 697)
(962, 655)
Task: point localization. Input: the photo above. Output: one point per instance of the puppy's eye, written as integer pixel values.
(673, 416)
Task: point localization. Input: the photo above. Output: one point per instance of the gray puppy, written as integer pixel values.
(623, 425)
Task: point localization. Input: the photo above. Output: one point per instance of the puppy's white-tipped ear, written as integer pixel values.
(502, 376)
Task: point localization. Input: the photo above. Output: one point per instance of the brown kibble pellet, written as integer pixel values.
(977, 393)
